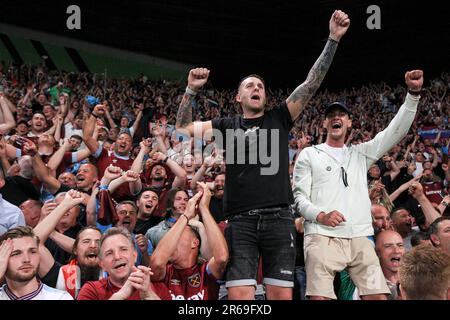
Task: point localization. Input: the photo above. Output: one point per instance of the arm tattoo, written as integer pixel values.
(184, 115)
(306, 90)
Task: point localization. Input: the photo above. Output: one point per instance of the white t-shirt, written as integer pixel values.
(43, 292)
(336, 153)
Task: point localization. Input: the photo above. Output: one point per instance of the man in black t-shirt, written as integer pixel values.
(257, 191)
(147, 203)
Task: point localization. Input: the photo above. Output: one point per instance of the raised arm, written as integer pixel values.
(137, 121)
(168, 244)
(63, 241)
(50, 183)
(178, 171)
(27, 98)
(196, 79)
(91, 209)
(63, 105)
(58, 124)
(216, 240)
(430, 213)
(58, 156)
(4, 162)
(48, 224)
(394, 195)
(130, 177)
(159, 132)
(339, 24)
(198, 176)
(89, 126)
(145, 146)
(111, 122)
(7, 115)
(400, 125)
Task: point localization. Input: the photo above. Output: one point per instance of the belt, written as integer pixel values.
(264, 210)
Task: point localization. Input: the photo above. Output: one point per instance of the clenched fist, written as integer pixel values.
(197, 78)
(339, 24)
(414, 80)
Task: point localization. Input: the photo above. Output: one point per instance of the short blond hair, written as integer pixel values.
(425, 273)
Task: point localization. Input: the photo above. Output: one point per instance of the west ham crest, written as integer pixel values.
(194, 280)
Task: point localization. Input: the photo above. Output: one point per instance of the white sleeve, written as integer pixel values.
(302, 188)
(396, 131)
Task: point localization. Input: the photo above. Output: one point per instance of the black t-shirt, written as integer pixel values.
(216, 209)
(259, 178)
(58, 253)
(18, 189)
(143, 225)
(51, 278)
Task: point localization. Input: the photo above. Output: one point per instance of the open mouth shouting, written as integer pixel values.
(120, 266)
(396, 261)
(126, 222)
(91, 256)
(255, 98)
(336, 125)
(148, 206)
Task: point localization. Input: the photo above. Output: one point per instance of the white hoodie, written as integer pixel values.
(319, 184)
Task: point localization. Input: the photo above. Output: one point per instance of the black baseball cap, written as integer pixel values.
(337, 105)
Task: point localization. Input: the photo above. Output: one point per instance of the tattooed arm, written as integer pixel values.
(339, 24)
(197, 78)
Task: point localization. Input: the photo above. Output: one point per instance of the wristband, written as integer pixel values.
(94, 114)
(165, 160)
(103, 188)
(331, 39)
(414, 93)
(191, 92)
(186, 217)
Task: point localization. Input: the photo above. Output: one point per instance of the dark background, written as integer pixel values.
(279, 40)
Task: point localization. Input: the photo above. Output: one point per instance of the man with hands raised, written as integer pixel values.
(125, 281)
(330, 190)
(260, 193)
(175, 259)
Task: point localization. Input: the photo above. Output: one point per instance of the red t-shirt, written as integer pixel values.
(103, 289)
(192, 283)
(433, 191)
(103, 161)
(65, 162)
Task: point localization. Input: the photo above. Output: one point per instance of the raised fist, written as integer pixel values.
(197, 78)
(339, 24)
(112, 172)
(72, 198)
(414, 80)
(99, 110)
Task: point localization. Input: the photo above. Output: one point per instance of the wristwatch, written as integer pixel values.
(444, 203)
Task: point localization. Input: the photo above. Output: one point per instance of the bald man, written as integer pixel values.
(381, 218)
(390, 250)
